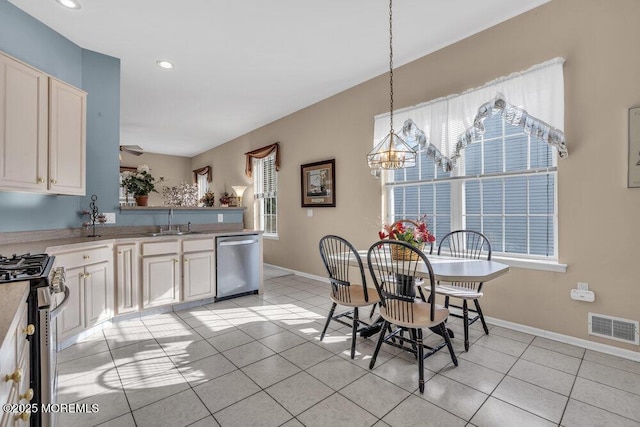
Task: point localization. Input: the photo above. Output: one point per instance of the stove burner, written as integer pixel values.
(22, 267)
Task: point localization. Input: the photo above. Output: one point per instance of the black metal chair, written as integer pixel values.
(336, 254)
(396, 283)
(467, 244)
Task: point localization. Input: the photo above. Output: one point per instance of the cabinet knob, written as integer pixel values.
(41, 180)
(85, 257)
(186, 261)
(23, 416)
(15, 377)
(86, 275)
(176, 260)
(54, 181)
(28, 395)
(29, 330)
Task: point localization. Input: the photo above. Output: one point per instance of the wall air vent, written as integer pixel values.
(614, 328)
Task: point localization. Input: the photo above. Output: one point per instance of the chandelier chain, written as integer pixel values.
(391, 63)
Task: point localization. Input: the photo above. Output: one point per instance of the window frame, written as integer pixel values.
(458, 214)
(260, 201)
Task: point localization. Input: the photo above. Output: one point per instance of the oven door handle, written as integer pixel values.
(60, 306)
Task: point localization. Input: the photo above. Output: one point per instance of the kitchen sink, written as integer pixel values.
(171, 233)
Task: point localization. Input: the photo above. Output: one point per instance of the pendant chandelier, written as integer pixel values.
(392, 152)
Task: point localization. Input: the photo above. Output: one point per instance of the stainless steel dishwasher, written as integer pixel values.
(237, 266)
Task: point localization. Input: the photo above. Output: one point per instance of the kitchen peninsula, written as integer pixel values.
(132, 271)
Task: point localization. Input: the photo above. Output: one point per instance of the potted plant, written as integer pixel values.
(225, 199)
(140, 183)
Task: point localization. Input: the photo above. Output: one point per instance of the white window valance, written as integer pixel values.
(438, 125)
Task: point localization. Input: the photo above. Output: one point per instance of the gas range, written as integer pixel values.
(25, 267)
(45, 284)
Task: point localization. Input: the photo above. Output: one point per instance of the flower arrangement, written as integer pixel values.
(140, 182)
(417, 236)
(225, 199)
(181, 195)
(209, 198)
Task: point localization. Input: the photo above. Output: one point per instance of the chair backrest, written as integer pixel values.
(465, 244)
(337, 253)
(396, 280)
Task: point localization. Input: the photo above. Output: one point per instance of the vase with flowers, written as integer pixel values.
(225, 199)
(209, 199)
(140, 183)
(415, 233)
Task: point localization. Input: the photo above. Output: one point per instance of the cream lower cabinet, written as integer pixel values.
(199, 269)
(127, 279)
(161, 273)
(89, 277)
(160, 280)
(15, 369)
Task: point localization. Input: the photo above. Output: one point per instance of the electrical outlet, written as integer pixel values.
(309, 212)
(110, 217)
(220, 217)
(583, 286)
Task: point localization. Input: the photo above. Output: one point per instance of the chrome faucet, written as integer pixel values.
(170, 218)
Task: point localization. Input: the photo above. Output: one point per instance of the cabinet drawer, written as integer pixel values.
(198, 245)
(159, 248)
(84, 257)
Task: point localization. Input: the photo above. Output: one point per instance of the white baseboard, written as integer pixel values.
(567, 339)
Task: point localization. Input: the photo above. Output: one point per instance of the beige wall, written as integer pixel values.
(598, 232)
(174, 169)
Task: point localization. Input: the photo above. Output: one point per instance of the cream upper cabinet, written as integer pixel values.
(67, 143)
(42, 131)
(23, 126)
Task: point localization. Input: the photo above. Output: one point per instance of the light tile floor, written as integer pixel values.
(258, 361)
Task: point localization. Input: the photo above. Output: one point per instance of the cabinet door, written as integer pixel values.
(127, 284)
(71, 319)
(67, 117)
(199, 275)
(160, 280)
(98, 293)
(23, 126)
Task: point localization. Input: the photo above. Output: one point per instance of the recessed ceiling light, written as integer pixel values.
(71, 4)
(164, 64)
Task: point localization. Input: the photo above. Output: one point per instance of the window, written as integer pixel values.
(203, 185)
(504, 187)
(202, 177)
(265, 184)
(505, 181)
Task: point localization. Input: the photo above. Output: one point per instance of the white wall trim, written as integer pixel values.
(578, 342)
(567, 339)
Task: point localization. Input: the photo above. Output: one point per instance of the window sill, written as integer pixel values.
(270, 237)
(532, 264)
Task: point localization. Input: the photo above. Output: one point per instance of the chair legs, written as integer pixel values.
(447, 339)
(326, 325)
(354, 332)
(418, 335)
(465, 321)
(385, 326)
(484, 324)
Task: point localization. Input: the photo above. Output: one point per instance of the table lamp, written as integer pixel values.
(239, 190)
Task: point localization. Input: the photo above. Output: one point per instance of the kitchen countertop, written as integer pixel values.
(61, 244)
(11, 296)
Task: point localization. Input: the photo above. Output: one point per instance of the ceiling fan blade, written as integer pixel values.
(136, 150)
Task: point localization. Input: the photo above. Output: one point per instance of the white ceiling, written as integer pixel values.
(240, 64)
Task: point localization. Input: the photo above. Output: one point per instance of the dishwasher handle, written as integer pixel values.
(237, 242)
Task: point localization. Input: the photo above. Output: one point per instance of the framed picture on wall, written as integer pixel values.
(633, 177)
(318, 184)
